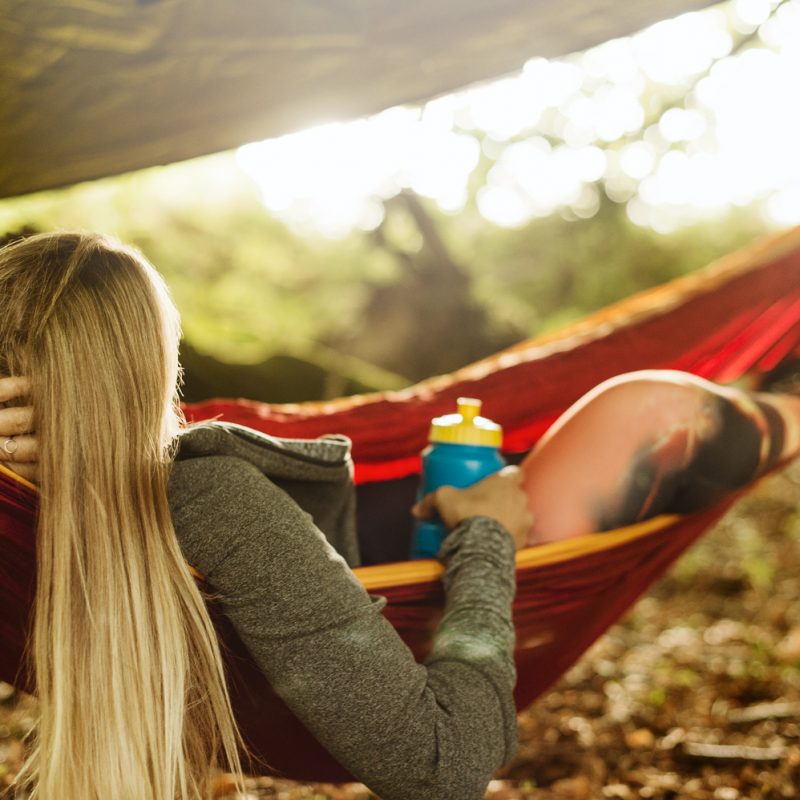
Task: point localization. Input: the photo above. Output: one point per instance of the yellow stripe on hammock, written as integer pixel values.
(407, 573)
(18, 478)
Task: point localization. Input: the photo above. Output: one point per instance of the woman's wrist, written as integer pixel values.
(479, 536)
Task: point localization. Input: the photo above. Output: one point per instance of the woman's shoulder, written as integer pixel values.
(213, 479)
(222, 504)
(225, 469)
(250, 539)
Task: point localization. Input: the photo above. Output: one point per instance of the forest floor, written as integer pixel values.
(695, 694)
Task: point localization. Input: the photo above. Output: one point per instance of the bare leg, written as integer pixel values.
(652, 442)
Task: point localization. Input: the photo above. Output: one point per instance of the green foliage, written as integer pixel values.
(554, 270)
(423, 293)
(375, 309)
(758, 561)
(791, 526)
(657, 697)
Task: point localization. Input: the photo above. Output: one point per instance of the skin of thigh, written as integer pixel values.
(580, 472)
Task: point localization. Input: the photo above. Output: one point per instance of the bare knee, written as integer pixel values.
(651, 397)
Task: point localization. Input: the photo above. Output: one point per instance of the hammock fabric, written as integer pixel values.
(737, 316)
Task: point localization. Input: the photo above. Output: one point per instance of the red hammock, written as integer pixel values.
(737, 316)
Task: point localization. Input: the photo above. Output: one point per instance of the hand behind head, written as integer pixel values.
(18, 447)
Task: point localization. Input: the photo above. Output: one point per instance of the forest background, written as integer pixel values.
(372, 254)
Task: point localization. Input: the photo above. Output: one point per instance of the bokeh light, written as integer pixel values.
(680, 122)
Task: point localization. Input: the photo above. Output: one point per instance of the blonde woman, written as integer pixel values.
(128, 672)
(127, 669)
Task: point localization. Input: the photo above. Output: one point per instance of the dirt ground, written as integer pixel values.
(696, 694)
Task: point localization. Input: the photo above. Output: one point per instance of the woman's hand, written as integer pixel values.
(18, 445)
(499, 496)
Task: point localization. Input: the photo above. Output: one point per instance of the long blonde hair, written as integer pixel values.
(124, 657)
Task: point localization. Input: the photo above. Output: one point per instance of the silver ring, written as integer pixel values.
(10, 445)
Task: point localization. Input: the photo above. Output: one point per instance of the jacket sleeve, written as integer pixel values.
(407, 730)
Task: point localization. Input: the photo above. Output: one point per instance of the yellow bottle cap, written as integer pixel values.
(466, 427)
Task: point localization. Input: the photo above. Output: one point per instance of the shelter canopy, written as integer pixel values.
(90, 88)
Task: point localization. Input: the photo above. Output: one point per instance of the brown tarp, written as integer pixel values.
(90, 88)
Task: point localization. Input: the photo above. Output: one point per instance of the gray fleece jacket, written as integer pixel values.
(270, 524)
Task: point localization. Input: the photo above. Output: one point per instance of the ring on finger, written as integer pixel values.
(10, 445)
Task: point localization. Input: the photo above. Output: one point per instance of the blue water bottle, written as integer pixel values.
(463, 449)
